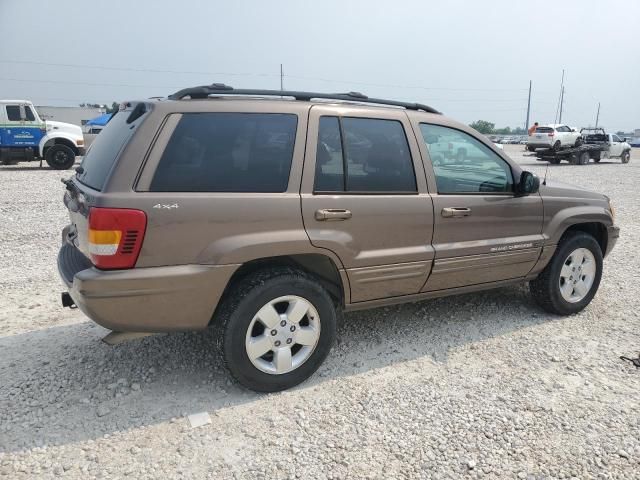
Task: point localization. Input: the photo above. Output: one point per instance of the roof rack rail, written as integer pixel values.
(205, 91)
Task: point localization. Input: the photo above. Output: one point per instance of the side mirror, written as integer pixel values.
(574, 130)
(528, 184)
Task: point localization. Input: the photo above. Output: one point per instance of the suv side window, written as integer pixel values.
(616, 138)
(13, 113)
(29, 114)
(361, 155)
(463, 164)
(227, 152)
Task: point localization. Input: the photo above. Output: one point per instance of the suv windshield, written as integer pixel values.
(105, 149)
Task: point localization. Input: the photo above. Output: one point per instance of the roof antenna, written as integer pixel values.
(544, 182)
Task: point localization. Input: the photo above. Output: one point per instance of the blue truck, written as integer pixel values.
(25, 137)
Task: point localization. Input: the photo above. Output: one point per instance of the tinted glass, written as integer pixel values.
(377, 154)
(227, 152)
(13, 113)
(105, 149)
(329, 161)
(544, 130)
(463, 164)
(616, 138)
(29, 114)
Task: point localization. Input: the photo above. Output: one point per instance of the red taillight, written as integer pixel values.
(115, 237)
(551, 134)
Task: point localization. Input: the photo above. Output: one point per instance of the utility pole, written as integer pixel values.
(561, 104)
(560, 99)
(526, 125)
(598, 115)
(281, 78)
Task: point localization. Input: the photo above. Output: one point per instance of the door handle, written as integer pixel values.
(456, 212)
(331, 214)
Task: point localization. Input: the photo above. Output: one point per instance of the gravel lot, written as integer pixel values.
(480, 386)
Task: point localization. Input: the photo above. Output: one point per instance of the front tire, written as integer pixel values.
(625, 157)
(571, 279)
(60, 157)
(277, 327)
(557, 146)
(579, 141)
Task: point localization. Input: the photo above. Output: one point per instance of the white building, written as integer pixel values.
(75, 115)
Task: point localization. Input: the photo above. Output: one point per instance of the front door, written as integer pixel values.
(615, 149)
(364, 197)
(483, 232)
(21, 127)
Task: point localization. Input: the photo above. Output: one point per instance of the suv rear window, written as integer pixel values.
(544, 130)
(106, 148)
(227, 152)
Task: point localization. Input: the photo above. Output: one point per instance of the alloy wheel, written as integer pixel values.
(577, 275)
(283, 335)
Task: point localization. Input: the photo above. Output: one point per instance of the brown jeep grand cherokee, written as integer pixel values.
(265, 213)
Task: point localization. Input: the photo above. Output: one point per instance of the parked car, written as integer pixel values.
(555, 136)
(635, 142)
(24, 137)
(265, 218)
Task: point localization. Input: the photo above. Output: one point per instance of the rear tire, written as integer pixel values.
(555, 161)
(579, 141)
(531, 149)
(60, 157)
(625, 157)
(583, 158)
(562, 274)
(556, 146)
(240, 326)
(596, 157)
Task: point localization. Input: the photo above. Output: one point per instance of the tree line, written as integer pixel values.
(485, 127)
(109, 109)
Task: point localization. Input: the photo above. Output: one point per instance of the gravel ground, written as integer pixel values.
(480, 386)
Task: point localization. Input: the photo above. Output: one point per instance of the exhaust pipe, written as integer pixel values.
(67, 301)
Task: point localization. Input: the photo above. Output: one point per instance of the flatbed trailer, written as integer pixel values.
(575, 155)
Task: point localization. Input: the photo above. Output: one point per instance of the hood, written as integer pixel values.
(560, 189)
(61, 127)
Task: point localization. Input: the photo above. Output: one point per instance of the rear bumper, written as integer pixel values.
(538, 144)
(153, 299)
(613, 233)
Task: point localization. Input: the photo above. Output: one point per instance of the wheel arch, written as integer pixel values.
(49, 141)
(317, 265)
(597, 230)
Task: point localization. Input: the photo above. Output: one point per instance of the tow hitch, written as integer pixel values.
(67, 301)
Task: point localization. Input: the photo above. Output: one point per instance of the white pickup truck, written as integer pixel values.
(24, 136)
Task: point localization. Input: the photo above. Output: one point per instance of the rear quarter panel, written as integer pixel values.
(211, 228)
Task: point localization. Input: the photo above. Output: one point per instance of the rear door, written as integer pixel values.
(483, 232)
(364, 197)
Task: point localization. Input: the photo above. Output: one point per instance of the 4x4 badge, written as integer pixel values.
(165, 206)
